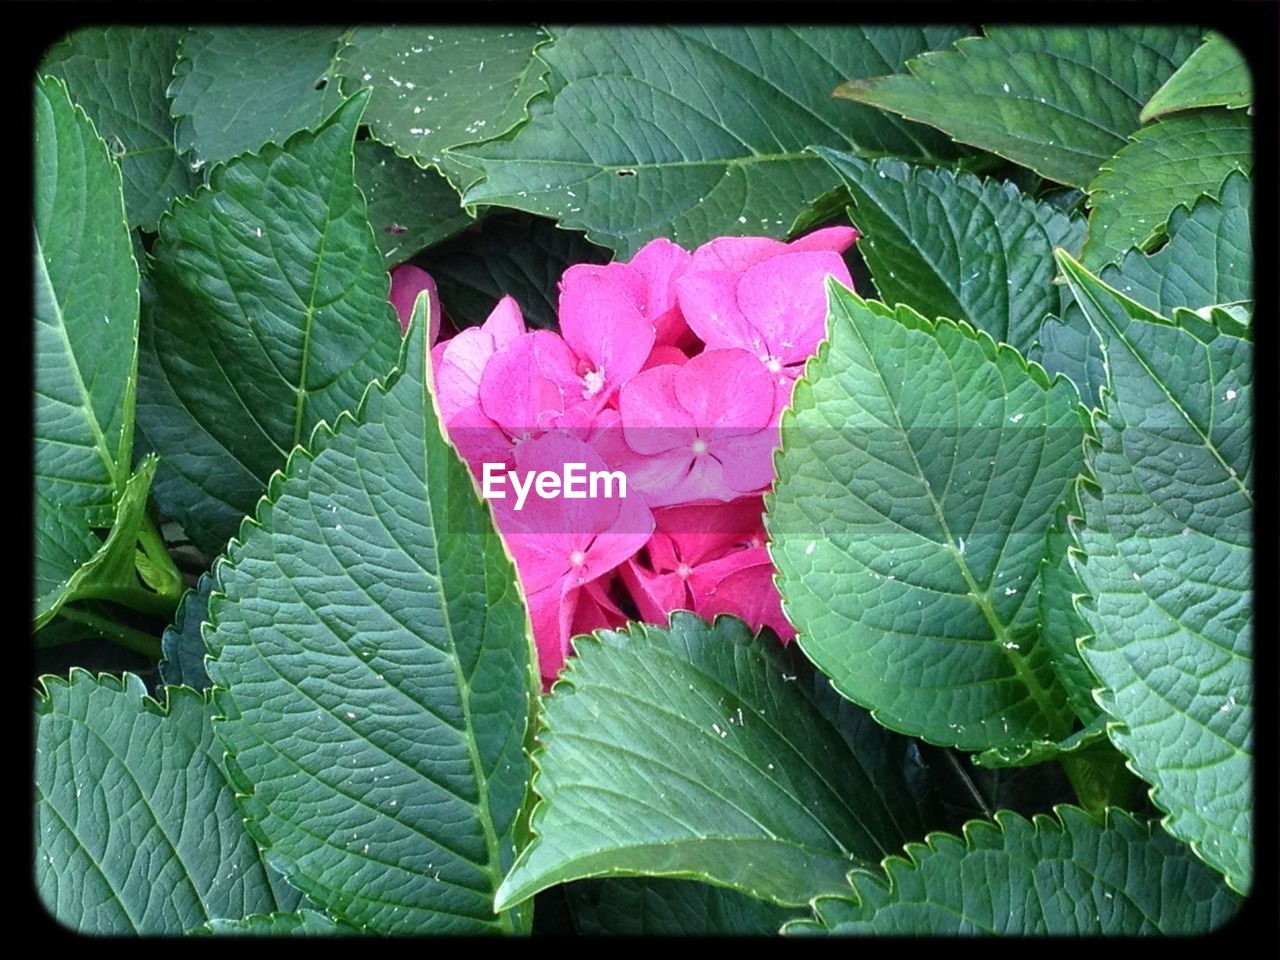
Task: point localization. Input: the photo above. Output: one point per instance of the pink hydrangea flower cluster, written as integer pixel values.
(672, 368)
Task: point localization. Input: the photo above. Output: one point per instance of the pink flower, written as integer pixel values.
(407, 281)
(704, 431)
(458, 366)
(711, 560)
(561, 546)
(765, 296)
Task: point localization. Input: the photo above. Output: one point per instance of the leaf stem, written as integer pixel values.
(128, 637)
(159, 572)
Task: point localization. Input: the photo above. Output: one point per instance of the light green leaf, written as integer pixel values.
(268, 313)
(237, 88)
(119, 75)
(1065, 876)
(908, 524)
(510, 254)
(182, 643)
(696, 132)
(642, 906)
(1059, 100)
(435, 88)
(1216, 75)
(110, 571)
(136, 828)
(1207, 260)
(302, 923)
(86, 328)
(704, 752)
(1167, 164)
(952, 245)
(410, 209)
(386, 783)
(1166, 557)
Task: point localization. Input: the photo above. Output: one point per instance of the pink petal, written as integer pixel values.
(605, 330)
(504, 323)
(734, 254)
(513, 391)
(664, 354)
(551, 612)
(709, 302)
(660, 263)
(835, 239)
(785, 301)
(458, 365)
(654, 594)
(697, 535)
(596, 610)
(407, 281)
(726, 393)
(653, 420)
(742, 585)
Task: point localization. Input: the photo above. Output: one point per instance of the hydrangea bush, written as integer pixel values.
(671, 480)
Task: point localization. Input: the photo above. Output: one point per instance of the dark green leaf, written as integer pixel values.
(1166, 556)
(435, 88)
(269, 314)
(695, 132)
(1216, 75)
(704, 752)
(302, 923)
(370, 655)
(182, 643)
(1059, 100)
(1167, 164)
(511, 255)
(136, 828)
(952, 245)
(409, 208)
(908, 525)
(120, 76)
(638, 907)
(237, 88)
(1068, 875)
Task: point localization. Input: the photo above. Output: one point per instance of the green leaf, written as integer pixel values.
(1059, 100)
(1167, 164)
(1216, 75)
(302, 923)
(237, 88)
(692, 133)
(952, 245)
(109, 572)
(182, 643)
(909, 570)
(409, 208)
(119, 76)
(1165, 553)
(435, 88)
(624, 906)
(268, 314)
(136, 828)
(1066, 876)
(507, 255)
(387, 783)
(85, 365)
(704, 752)
(85, 278)
(1208, 260)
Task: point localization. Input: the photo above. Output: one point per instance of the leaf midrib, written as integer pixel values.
(1021, 668)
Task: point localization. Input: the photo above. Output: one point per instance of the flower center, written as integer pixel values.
(772, 363)
(577, 558)
(684, 570)
(592, 383)
(699, 447)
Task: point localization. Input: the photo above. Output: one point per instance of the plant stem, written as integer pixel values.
(1099, 777)
(160, 573)
(135, 640)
